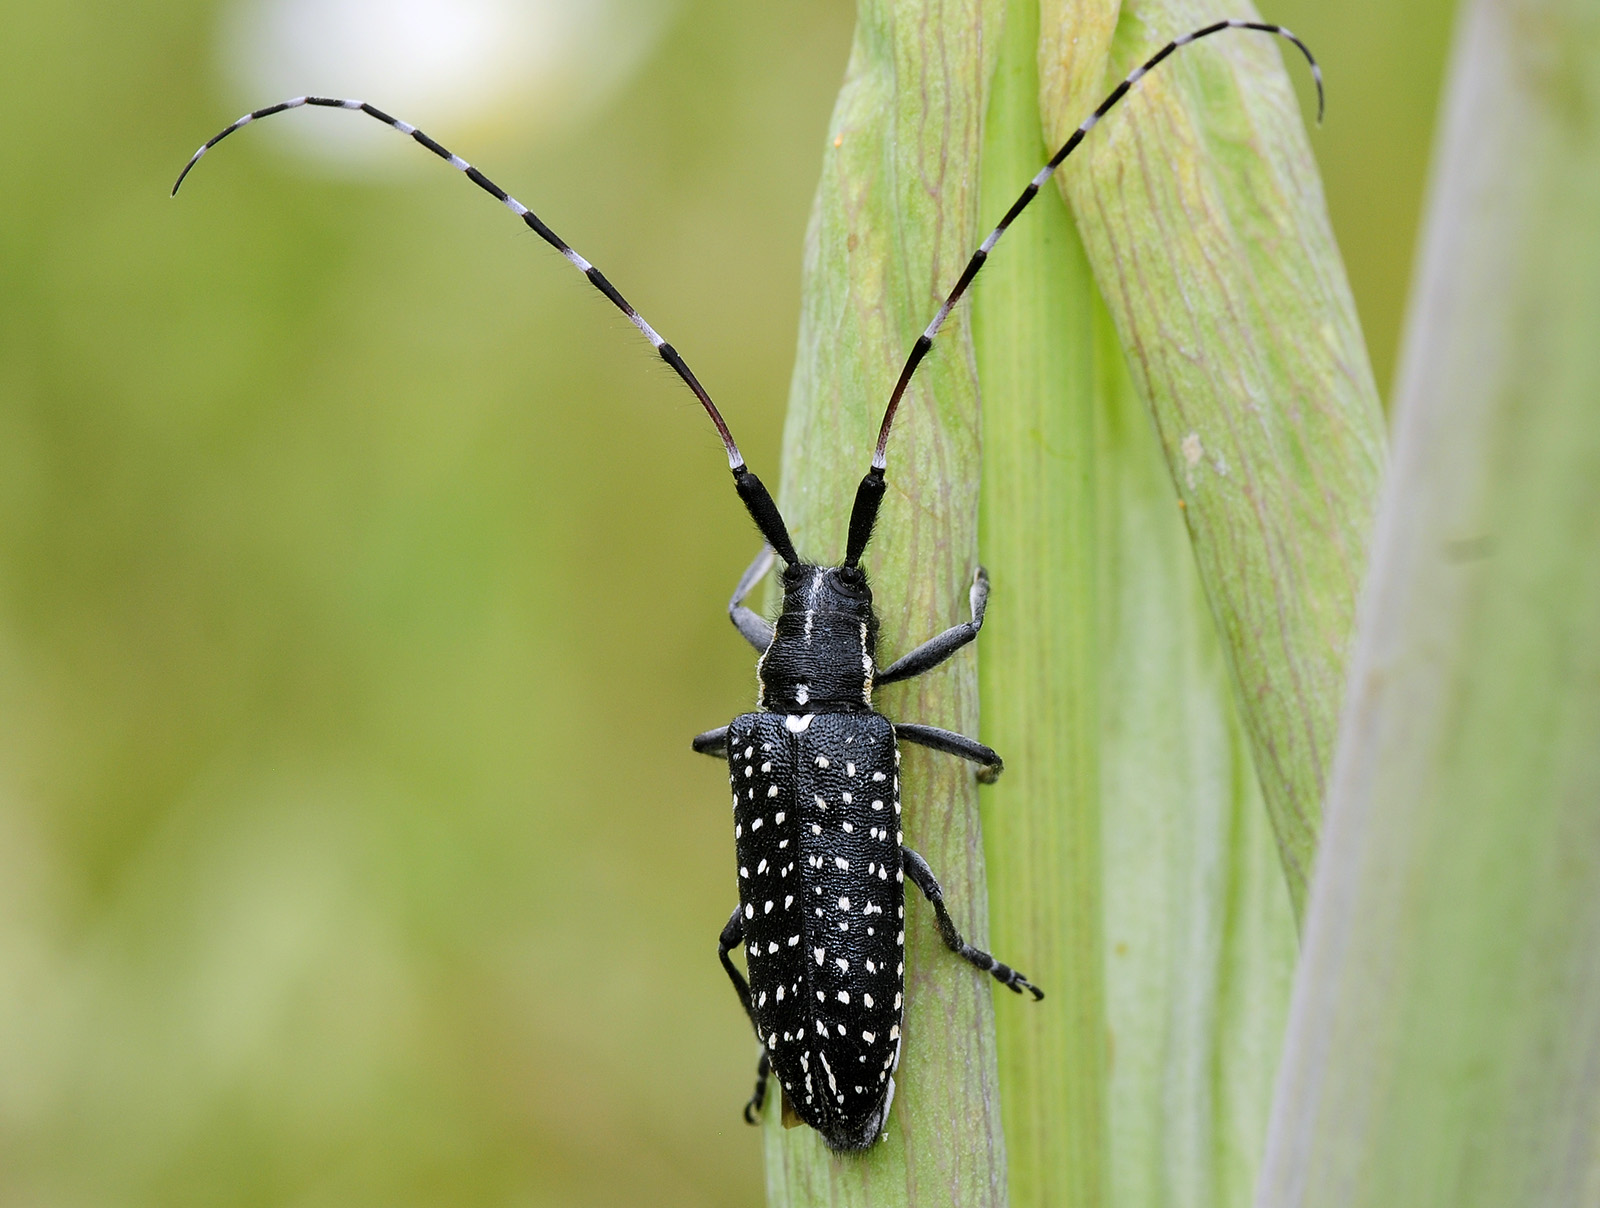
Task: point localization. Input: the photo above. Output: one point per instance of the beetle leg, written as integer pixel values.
(917, 869)
(712, 742)
(933, 652)
(752, 1109)
(732, 936)
(989, 764)
(757, 630)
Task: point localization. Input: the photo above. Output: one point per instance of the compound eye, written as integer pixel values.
(852, 580)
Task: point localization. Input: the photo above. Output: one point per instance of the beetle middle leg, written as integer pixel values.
(714, 743)
(917, 869)
(989, 764)
(934, 651)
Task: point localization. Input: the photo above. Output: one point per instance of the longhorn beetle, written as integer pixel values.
(815, 770)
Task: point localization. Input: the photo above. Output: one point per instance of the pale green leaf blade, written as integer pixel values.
(1203, 217)
(1444, 1041)
(1200, 939)
(1132, 869)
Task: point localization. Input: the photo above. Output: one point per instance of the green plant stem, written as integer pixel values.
(1442, 1048)
(1033, 326)
(896, 218)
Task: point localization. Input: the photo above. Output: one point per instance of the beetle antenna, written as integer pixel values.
(757, 500)
(870, 493)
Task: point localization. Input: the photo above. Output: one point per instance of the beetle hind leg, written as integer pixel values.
(758, 1100)
(917, 869)
(732, 936)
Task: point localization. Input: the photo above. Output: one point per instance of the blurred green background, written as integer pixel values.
(362, 579)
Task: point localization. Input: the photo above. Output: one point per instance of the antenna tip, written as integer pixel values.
(187, 168)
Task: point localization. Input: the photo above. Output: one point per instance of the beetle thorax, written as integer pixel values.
(821, 656)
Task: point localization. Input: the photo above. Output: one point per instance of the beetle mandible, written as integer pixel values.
(814, 771)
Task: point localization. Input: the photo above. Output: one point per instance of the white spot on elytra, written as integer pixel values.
(820, 954)
(822, 761)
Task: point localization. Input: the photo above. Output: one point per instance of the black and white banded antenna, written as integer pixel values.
(869, 495)
(757, 500)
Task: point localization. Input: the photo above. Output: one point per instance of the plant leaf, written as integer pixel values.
(1132, 869)
(1443, 1043)
(1203, 218)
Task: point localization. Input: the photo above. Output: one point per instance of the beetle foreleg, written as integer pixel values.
(934, 651)
(917, 869)
(755, 628)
